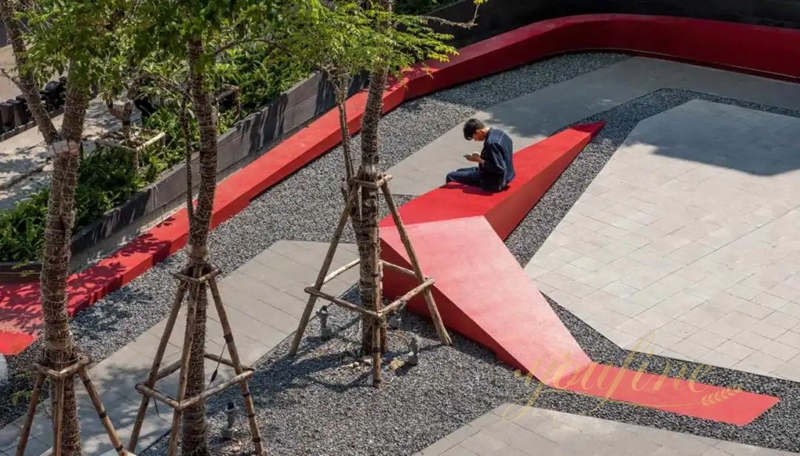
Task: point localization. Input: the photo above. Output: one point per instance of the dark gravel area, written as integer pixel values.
(319, 405)
(304, 207)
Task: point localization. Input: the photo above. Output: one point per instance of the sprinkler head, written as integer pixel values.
(230, 412)
(413, 357)
(326, 332)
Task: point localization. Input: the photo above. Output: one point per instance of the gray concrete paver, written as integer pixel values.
(547, 432)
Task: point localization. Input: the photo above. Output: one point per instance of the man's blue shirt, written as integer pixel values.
(497, 170)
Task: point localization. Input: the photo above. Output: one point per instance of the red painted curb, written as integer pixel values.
(737, 46)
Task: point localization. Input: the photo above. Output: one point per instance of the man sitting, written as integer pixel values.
(495, 168)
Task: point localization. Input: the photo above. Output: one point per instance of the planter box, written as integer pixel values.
(115, 139)
(250, 138)
(19, 273)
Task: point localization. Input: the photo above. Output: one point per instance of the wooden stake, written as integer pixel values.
(377, 283)
(218, 389)
(188, 338)
(237, 366)
(202, 279)
(434, 311)
(341, 271)
(153, 377)
(67, 372)
(34, 401)
(407, 297)
(201, 275)
(372, 185)
(222, 360)
(169, 370)
(326, 264)
(397, 268)
(101, 411)
(59, 379)
(376, 354)
(341, 302)
(58, 412)
(378, 313)
(159, 396)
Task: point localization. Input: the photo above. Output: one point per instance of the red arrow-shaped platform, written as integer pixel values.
(483, 293)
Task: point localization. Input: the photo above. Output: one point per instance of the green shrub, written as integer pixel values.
(22, 228)
(262, 73)
(106, 179)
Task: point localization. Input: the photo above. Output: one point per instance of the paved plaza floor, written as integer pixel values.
(511, 430)
(688, 233)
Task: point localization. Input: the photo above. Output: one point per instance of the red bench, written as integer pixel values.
(483, 293)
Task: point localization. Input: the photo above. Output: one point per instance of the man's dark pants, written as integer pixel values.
(466, 176)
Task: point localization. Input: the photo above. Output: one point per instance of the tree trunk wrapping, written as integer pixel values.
(194, 418)
(369, 248)
(59, 346)
(187, 144)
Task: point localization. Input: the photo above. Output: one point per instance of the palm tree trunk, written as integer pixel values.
(369, 245)
(26, 82)
(59, 347)
(194, 418)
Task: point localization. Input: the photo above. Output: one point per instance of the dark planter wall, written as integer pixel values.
(496, 17)
(776, 13)
(499, 16)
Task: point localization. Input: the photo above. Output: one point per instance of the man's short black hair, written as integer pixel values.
(471, 127)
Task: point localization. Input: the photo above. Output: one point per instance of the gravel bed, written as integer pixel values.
(319, 405)
(299, 208)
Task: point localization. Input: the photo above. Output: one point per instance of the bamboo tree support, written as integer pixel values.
(198, 274)
(378, 312)
(60, 379)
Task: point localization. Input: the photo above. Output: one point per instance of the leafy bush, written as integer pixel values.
(106, 179)
(262, 73)
(22, 228)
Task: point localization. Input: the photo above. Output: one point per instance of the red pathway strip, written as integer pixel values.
(738, 46)
(679, 396)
